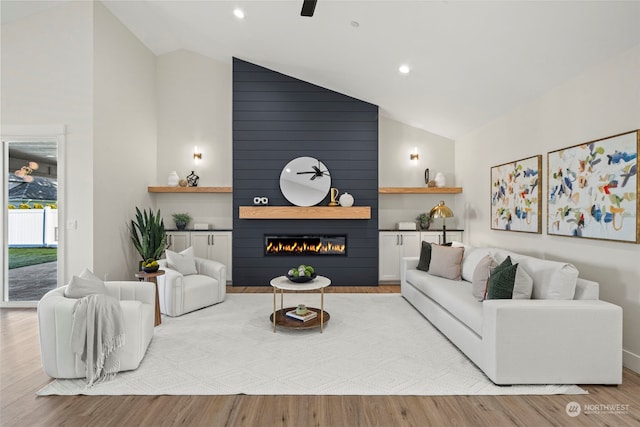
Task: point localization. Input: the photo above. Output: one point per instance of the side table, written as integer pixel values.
(281, 319)
(151, 277)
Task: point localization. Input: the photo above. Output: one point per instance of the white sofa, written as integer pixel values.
(573, 338)
(55, 318)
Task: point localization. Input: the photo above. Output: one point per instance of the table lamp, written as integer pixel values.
(442, 211)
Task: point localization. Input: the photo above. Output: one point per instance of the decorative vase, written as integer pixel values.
(181, 225)
(440, 180)
(173, 180)
(192, 179)
(346, 200)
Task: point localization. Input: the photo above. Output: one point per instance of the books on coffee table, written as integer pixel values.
(311, 314)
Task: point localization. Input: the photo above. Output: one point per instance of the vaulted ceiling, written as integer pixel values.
(470, 61)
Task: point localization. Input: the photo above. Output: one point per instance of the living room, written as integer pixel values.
(132, 116)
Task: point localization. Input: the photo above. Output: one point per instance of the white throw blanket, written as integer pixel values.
(97, 334)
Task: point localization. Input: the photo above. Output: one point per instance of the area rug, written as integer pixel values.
(373, 344)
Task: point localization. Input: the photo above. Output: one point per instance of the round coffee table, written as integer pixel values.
(279, 317)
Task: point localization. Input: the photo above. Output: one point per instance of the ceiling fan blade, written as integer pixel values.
(308, 6)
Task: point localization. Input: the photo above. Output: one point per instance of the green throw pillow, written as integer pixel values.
(425, 257)
(506, 263)
(501, 282)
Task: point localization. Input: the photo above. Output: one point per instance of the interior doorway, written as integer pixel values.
(31, 216)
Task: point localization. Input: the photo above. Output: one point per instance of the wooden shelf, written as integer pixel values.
(189, 189)
(420, 190)
(304, 212)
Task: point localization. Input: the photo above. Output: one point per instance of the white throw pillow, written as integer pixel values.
(79, 287)
(183, 262)
(446, 261)
(88, 274)
(481, 276)
(472, 256)
(523, 285)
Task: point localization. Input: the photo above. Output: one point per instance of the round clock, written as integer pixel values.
(305, 181)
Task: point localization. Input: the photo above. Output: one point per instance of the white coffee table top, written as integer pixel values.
(281, 282)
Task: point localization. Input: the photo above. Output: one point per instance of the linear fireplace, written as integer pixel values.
(305, 245)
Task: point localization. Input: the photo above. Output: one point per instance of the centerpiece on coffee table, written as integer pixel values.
(301, 274)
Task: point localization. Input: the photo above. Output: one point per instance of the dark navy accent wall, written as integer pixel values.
(277, 118)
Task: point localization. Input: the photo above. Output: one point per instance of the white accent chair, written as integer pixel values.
(55, 319)
(183, 293)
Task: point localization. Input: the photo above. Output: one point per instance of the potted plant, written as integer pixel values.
(148, 235)
(181, 220)
(425, 220)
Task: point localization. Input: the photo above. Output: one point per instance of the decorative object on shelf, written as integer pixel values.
(426, 176)
(181, 220)
(592, 189)
(150, 266)
(192, 179)
(25, 171)
(305, 181)
(516, 196)
(260, 201)
(148, 234)
(440, 180)
(442, 211)
(301, 310)
(346, 200)
(173, 180)
(334, 193)
(301, 274)
(425, 220)
(431, 183)
(183, 183)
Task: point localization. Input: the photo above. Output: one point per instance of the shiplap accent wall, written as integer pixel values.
(277, 118)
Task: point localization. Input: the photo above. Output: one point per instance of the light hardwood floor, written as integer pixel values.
(21, 376)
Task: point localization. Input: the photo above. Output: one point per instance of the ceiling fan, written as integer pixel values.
(308, 6)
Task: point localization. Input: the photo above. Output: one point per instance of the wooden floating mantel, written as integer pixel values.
(420, 190)
(304, 212)
(189, 189)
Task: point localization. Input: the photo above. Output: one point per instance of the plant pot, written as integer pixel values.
(151, 269)
(181, 225)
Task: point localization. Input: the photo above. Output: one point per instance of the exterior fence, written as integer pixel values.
(33, 227)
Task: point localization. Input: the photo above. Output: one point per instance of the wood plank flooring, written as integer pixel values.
(21, 375)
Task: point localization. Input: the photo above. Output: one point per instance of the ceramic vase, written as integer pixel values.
(173, 180)
(440, 180)
(346, 200)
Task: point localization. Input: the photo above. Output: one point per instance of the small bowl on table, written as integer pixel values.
(301, 279)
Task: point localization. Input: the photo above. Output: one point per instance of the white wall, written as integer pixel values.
(194, 104)
(46, 79)
(124, 141)
(601, 102)
(396, 141)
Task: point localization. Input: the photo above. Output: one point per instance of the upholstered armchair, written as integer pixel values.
(55, 320)
(190, 283)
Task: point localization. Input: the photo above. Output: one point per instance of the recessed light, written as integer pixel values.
(238, 13)
(404, 69)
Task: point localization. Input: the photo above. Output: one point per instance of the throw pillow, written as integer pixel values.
(446, 261)
(501, 282)
(79, 287)
(481, 277)
(523, 284)
(182, 262)
(88, 274)
(425, 257)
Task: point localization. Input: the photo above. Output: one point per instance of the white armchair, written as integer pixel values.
(182, 293)
(55, 318)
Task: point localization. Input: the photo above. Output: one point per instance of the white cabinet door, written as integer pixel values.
(213, 245)
(393, 246)
(178, 240)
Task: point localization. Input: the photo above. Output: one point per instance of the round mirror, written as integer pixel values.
(305, 181)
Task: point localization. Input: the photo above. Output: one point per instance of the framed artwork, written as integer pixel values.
(592, 189)
(516, 196)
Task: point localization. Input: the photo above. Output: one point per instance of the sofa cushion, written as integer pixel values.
(446, 261)
(425, 257)
(455, 297)
(551, 279)
(183, 262)
(523, 285)
(472, 256)
(480, 277)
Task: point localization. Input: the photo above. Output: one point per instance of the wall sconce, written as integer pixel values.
(196, 154)
(414, 155)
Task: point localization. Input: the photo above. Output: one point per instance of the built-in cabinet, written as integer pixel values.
(215, 245)
(395, 245)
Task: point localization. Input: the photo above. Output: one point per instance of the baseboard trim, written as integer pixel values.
(631, 361)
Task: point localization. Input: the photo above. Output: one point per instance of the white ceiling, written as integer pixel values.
(471, 60)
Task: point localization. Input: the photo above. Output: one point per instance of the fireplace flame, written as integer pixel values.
(304, 247)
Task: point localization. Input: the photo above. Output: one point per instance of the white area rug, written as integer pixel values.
(374, 344)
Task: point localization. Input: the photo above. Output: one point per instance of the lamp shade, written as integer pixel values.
(441, 211)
